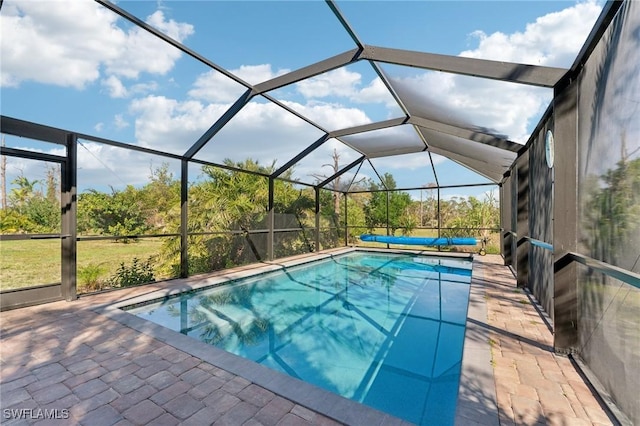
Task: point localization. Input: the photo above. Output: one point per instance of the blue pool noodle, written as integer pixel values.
(422, 241)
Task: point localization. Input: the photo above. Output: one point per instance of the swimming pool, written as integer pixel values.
(386, 330)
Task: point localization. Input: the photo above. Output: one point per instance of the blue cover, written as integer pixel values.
(421, 241)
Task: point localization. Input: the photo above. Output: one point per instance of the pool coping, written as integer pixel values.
(474, 405)
(477, 398)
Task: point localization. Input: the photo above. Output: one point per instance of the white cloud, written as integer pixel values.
(255, 74)
(375, 92)
(342, 83)
(331, 116)
(346, 154)
(102, 166)
(213, 86)
(503, 108)
(143, 52)
(56, 42)
(438, 159)
(95, 156)
(120, 122)
(164, 123)
(67, 43)
(176, 30)
(404, 162)
(143, 88)
(552, 40)
(115, 87)
(319, 163)
(263, 131)
(99, 166)
(346, 84)
(339, 82)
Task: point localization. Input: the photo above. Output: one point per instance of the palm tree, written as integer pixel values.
(24, 192)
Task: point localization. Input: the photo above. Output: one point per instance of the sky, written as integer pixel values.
(78, 66)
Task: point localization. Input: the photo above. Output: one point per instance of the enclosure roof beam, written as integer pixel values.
(294, 112)
(505, 71)
(32, 155)
(377, 174)
(390, 89)
(219, 124)
(491, 172)
(334, 8)
(136, 148)
(26, 129)
(354, 177)
(341, 172)
(396, 151)
(309, 71)
(345, 24)
(230, 168)
(472, 135)
(300, 156)
(369, 127)
(433, 167)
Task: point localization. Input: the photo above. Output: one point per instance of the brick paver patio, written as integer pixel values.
(92, 370)
(533, 384)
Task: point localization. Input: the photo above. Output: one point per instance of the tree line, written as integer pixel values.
(224, 199)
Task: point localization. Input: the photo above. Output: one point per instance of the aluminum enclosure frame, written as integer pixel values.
(518, 73)
(513, 179)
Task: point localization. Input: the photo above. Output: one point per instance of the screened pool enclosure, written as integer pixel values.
(333, 132)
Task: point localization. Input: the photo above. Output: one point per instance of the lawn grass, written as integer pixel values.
(27, 263)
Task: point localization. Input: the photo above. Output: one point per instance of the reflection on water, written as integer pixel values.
(385, 330)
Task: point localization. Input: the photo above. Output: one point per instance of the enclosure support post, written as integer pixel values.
(346, 224)
(514, 219)
(270, 221)
(505, 219)
(502, 225)
(69, 201)
(439, 218)
(317, 192)
(387, 192)
(184, 219)
(565, 224)
(522, 220)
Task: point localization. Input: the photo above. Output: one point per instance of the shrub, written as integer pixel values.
(134, 274)
(89, 277)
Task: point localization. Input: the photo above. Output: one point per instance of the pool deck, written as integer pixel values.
(96, 365)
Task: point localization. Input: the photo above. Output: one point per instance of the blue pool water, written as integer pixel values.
(386, 330)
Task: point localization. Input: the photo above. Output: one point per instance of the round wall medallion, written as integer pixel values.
(549, 146)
